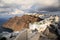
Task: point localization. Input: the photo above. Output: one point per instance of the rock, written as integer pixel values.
(18, 23)
(49, 35)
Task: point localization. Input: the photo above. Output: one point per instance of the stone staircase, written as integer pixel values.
(25, 35)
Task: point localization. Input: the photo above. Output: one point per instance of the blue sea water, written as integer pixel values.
(2, 20)
(2, 29)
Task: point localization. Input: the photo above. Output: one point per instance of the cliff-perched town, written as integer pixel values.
(32, 27)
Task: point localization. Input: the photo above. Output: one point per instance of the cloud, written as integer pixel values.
(9, 6)
(30, 2)
(26, 4)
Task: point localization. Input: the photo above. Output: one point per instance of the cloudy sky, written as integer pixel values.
(12, 7)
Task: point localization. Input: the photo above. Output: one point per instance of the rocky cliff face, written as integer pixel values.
(18, 23)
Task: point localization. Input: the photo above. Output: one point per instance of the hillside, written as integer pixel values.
(18, 23)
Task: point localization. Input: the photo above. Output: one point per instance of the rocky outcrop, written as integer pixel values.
(18, 23)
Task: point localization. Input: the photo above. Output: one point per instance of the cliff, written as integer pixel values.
(18, 23)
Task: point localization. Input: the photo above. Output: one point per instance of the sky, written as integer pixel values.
(9, 8)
